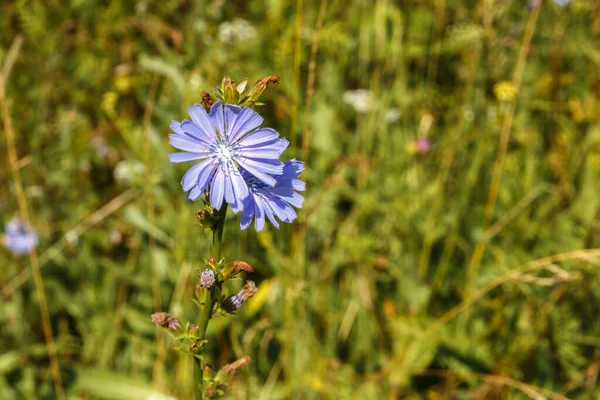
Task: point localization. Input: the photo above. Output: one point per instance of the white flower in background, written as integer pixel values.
(360, 99)
(127, 172)
(392, 115)
(238, 30)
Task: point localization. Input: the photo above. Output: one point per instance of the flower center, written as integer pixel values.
(224, 153)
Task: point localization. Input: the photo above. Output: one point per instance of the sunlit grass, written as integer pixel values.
(402, 277)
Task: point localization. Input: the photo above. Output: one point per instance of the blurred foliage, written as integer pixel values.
(353, 298)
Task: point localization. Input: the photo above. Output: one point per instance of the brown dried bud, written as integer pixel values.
(234, 268)
(207, 100)
(164, 320)
(196, 346)
(230, 368)
(259, 88)
(211, 392)
(204, 216)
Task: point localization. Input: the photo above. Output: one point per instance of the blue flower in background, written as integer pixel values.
(562, 3)
(275, 201)
(20, 238)
(223, 141)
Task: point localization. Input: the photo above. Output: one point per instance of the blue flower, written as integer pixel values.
(20, 238)
(223, 141)
(275, 201)
(562, 3)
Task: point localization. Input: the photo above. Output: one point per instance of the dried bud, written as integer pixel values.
(234, 268)
(259, 88)
(230, 368)
(207, 100)
(212, 262)
(164, 320)
(207, 278)
(204, 216)
(196, 346)
(211, 392)
(234, 302)
(230, 94)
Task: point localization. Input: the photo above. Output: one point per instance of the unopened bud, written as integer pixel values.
(234, 302)
(259, 88)
(228, 370)
(234, 268)
(207, 372)
(230, 94)
(164, 320)
(212, 262)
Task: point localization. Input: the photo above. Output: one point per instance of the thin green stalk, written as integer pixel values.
(198, 371)
(218, 231)
(207, 309)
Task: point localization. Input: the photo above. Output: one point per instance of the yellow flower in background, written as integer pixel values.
(505, 91)
(576, 109)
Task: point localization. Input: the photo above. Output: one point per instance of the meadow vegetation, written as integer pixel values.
(449, 244)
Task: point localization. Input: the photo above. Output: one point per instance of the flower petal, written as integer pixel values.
(184, 142)
(217, 189)
(190, 178)
(201, 119)
(247, 213)
(216, 118)
(239, 187)
(206, 174)
(246, 121)
(269, 214)
(195, 193)
(268, 166)
(185, 157)
(266, 178)
(230, 113)
(283, 210)
(259, 215)
(195, 132)
(295, 199)
(259, 136)
(176, 127)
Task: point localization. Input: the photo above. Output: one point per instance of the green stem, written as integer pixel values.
(218, 231)
(199, 381)
(208, 306)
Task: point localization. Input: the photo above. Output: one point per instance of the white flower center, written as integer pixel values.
(224, 153)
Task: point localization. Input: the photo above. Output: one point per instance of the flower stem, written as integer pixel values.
(218, 231)
(199, 381)
(207, 309)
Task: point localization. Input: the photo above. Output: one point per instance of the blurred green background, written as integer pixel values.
(448, 145)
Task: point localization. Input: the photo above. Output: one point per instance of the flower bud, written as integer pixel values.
(234, 302)
(204, 216)
(234, 268)
(259, 88)
(230, 94)
(164, 320)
